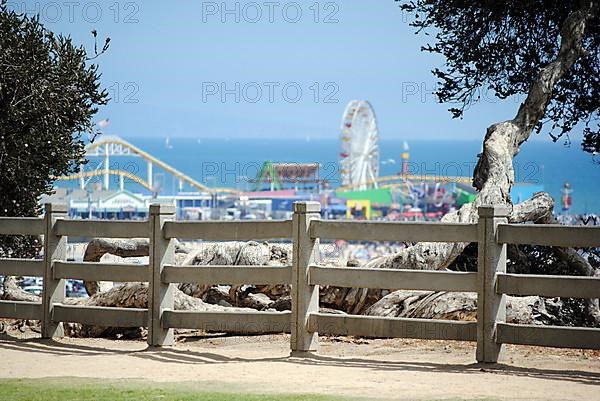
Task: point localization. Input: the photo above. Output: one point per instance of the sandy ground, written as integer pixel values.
(381, 369)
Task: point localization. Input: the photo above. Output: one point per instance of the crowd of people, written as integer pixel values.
(579, 219)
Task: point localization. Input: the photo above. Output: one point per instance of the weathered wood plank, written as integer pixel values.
(21, 310)
(100, 315)
(304, 296)
(229, 230)
(92, 271)
(548, 286)
(548, 336)
(240, 322)
(21, 267)
(549, 235)
(21, 226)
(55, 248)
(103, 228)
(212, 274)
(161, 295)
(393, 231)
(378, 327)
(491, 260)
(393, 279)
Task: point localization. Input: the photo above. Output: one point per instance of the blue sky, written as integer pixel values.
(169, 63)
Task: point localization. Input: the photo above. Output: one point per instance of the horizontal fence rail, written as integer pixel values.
(100, 315)
(392, 231)
(22, 226)
(548, 286)
(21, 267)
(241, 322)
(549, 235)
(92, 271)
(212, 274)
(393, 279)
(102, 228)
(548, 336)
(378, 327)
(21, 310)
(228, 230)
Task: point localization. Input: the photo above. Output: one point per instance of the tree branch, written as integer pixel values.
(532, 110)
(494, 174)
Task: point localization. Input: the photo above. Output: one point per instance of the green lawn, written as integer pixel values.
(84, 390)
(79, 389)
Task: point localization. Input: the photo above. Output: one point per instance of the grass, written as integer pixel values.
(78, 389)
(96, 390)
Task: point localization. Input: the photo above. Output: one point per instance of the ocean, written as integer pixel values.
(232, 162)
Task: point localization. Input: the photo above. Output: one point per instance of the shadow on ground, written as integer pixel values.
(178, 356)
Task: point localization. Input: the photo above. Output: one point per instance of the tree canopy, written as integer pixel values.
(49, 94)
(48, 97)
(502, 45)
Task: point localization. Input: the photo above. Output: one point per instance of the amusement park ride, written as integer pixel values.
(359, 158)
(359, 169)
(111, 146)
(279, 175)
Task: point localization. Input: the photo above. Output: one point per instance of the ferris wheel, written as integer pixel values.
(359, 156)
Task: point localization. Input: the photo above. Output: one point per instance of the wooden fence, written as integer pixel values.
(305, 275)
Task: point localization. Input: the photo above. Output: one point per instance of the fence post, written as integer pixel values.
(491, 307)
(160, 295)
(55, 248)
(305, 297)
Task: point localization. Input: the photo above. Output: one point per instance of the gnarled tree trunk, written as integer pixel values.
(456, 306)
(494, 175)
(124, 248)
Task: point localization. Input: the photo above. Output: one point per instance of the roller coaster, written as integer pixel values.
(111, 146)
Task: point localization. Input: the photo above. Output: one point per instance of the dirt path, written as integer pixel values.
(385, 369)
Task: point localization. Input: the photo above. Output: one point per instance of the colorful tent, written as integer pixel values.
(380, 196)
